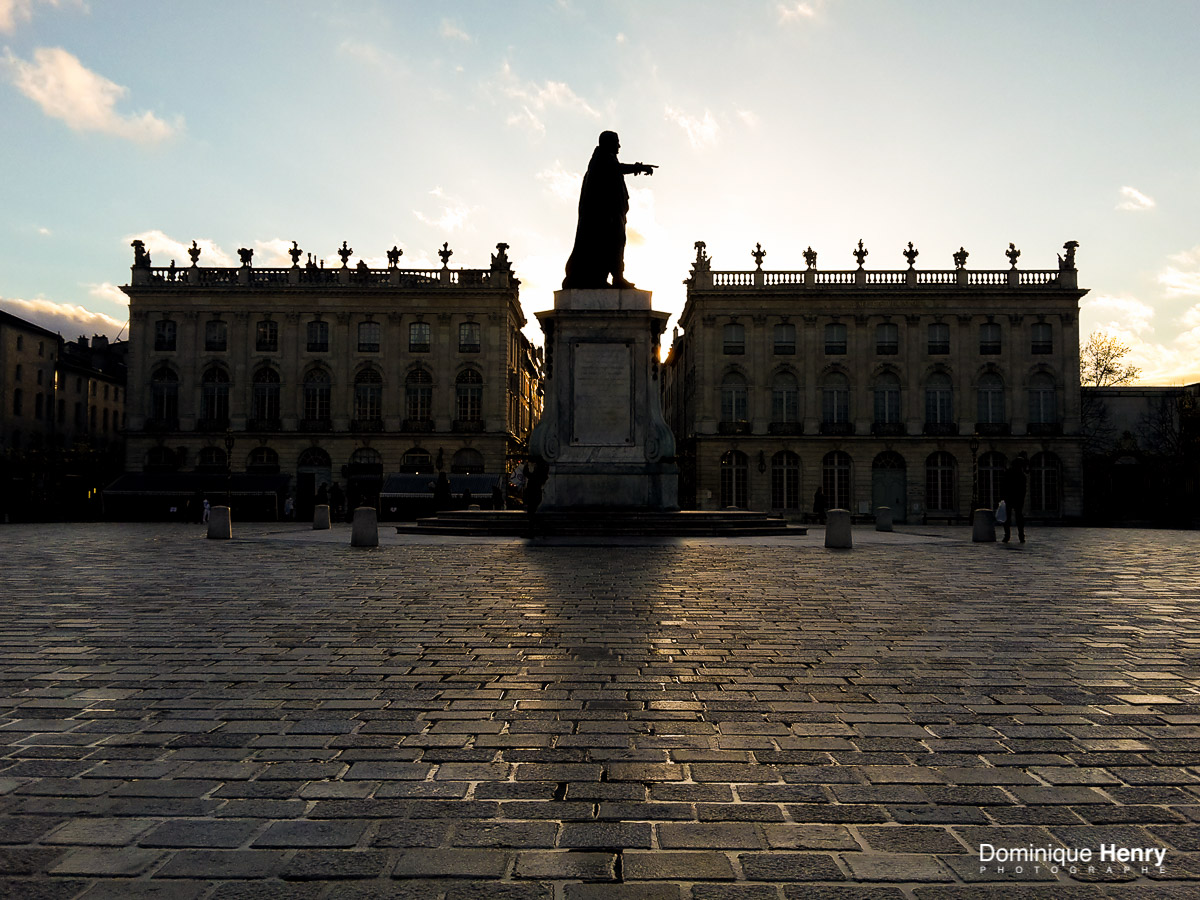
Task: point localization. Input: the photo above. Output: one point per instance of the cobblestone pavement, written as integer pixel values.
(284, 716)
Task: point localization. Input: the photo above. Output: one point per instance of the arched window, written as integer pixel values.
(265, 400)
(316, 398)
(733, 397)
(939, 403)
(263, 461)
(366, 456)
(992, 466)
(785, 399)
(211, 459)
(468, 396)
(314, 458)
(785, 480)
(467, 461)
(416, 460)
(887, 401)
(991, 399)
(214, 397)
(1043, 400)
(161, 459)
(835, 479)
(164, 396)
(939, 482)
(734, 470)
(418, 396)
(1045, 484)
(368, 395)
(835, 403)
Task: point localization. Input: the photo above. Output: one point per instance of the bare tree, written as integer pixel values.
(1102, 362)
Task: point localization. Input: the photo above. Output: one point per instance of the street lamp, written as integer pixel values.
(974, 445)
(228, 462)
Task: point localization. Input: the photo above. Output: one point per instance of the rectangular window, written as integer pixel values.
(38, 401)
(1043, 338)
(468, 337)
(216, 336)
(18, 396)
(368, 337)
(835, 339)
(785, 339)
(419, 335)
(734, 339)
(989, 338)
(164, 336)
(939, 338)
(266, 337)
(887, 339)
(318, 337)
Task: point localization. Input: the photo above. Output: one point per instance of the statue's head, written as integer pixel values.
(609, 141)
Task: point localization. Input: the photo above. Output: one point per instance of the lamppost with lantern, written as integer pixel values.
(974, 445)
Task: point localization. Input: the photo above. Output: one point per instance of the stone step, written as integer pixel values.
(599, 523)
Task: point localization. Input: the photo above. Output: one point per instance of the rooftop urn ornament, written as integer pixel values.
(960, 258)
(860, 254)
(599, 249)
(245, 255)
(362, 267)
(294, 253)
(911, 253)
(758, 253)
(1013, 254)
(194, 253)
(810, 257)
(702, 262)
(445, 253)
(1067, 263)
(393, 256)
(344, 253)
(500, 261)
(140, 256)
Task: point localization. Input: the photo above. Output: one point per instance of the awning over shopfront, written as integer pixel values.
(420, 487)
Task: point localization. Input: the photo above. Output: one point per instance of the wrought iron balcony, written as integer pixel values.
(468, 426)
(741, 427)
(212, 424)
(836, 428)
(993, 429)
(316, 425)
(941, 429)
(1044, 429)
(366, 424)
(785, 428)
(417, 425)
(264, 425)
(887, 429)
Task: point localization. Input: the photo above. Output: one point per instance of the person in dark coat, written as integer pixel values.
(599, 249)
(442, 498)
(1015, 482)
(819, 505)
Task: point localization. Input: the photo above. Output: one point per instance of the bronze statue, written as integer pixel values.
(599, 249)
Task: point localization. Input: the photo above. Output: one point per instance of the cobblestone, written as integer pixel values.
(282, 716)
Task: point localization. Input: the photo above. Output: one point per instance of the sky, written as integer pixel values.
(790, 124)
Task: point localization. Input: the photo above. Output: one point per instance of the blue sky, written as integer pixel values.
(786, 123)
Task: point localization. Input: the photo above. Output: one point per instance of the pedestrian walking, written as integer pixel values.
(1014, 497)
(819, 505)
(204, 514)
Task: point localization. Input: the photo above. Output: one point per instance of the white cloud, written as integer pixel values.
(1134, 200)
(1127, 315)
(106, 290)
(1180, 283)
(371, 55)
(453, 216)
(621, 39)
(273, 253)
(65, 89)
(43, 231)
(68, 319)
(163, 248)
(452, 32)
(748, 116)
(1187, 257)
(534, 99)
(796, 12)
(700, 132)
(14, 11)
(562, 183)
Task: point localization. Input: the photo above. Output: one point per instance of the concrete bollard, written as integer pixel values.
(837, 529)
(220, 524)
(883, 518)
(320, 516)
(983, 526)
(365, 531)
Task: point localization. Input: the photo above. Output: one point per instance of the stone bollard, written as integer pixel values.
(837, 529)
(883, 518)
(320, 516)
(220, 524)
(983, 526)
(365, 531)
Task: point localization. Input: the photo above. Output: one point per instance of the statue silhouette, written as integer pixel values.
(599, 249)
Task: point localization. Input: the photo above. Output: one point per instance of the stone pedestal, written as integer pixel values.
(883, 518)
(220, 524)
(365, 530)
(320, 516)
(602, 434)
(983, 526)
(837, 530)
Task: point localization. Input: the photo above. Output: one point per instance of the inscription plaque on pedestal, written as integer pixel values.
(601, 393)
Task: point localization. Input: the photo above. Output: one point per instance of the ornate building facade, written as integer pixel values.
(276, 381)
(910, 389)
